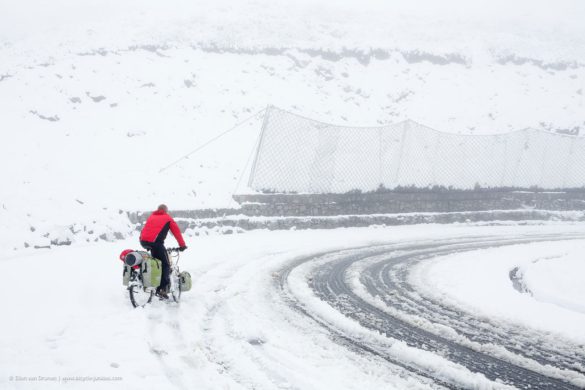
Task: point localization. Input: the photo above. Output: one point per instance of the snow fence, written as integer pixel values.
(297, 154)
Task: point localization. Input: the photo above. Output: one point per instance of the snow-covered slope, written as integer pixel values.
(96, 97)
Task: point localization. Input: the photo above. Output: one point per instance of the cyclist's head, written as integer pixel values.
(163, 207)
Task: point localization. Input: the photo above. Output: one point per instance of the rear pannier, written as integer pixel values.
(151, 269)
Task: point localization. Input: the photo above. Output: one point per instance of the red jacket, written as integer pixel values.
(157, 227)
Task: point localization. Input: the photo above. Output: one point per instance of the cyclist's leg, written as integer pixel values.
(166, 270)
(159, 251)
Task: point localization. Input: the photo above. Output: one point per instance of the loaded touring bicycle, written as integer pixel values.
(142, 275)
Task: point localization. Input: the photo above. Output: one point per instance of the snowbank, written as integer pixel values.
(480, 281)
(557, 279)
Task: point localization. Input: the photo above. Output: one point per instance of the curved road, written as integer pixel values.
(502, 352)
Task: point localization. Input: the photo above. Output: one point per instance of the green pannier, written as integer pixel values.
(185, 280)
(126, 275)
(151, 269)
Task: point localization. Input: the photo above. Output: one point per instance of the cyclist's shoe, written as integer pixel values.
(162, 294)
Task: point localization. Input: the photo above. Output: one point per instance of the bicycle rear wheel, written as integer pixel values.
(140, 296)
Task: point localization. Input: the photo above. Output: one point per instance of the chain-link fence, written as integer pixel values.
(297, 154)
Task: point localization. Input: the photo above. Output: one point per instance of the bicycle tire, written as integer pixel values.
(176, 294)
(136, 302)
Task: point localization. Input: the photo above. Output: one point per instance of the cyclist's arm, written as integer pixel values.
(177, 233)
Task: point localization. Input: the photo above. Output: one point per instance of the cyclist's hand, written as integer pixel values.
(182, 248)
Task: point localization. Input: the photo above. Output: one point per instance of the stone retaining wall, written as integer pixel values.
(406, 202)
(288, 211)
(231, 224)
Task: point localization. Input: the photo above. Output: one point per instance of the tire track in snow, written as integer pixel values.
(219, 325)
(173, 349)
(393, 275)
(352, 343)
(329, 282)
(274, 365)
(160, 349)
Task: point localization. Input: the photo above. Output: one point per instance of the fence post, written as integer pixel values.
(269, 108)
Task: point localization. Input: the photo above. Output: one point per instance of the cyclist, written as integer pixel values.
(152, 237)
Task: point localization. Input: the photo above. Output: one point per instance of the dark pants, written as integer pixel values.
(158, 251)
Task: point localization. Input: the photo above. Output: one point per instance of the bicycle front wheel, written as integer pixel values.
(175, 287)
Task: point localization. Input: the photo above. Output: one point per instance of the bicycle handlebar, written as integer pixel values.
(171, 250)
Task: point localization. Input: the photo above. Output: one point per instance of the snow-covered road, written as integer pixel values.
(370, 285)
(339, 309)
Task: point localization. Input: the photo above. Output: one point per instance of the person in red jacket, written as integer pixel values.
(152, 238)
